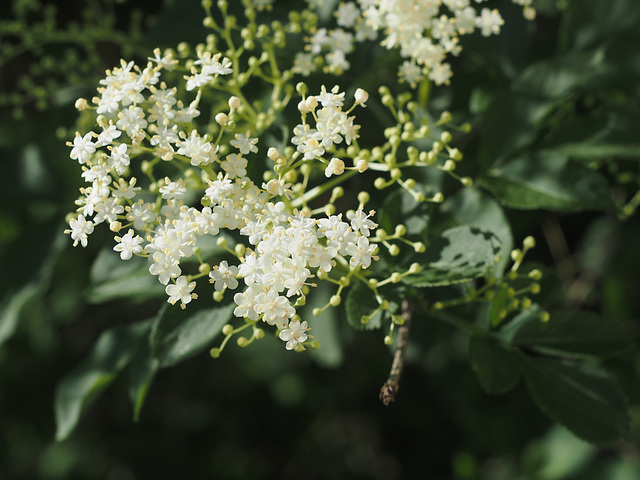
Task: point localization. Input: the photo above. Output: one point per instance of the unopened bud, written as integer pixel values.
(222, 119)
(234, 102)
(361, 96)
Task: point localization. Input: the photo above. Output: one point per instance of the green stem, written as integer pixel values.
(423, 94)
(320, 189)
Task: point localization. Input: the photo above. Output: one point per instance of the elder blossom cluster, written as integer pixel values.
(145, 127)
(425, 32)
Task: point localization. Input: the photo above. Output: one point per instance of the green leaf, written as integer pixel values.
(178, 334)
(460, 254)
(362, 301)
(12, 306)
(556, 78)
(473, 207)
(110, 354)
(142, 372)
(401, 205)
(113, 278)
(324, 328)
(547, 180)
(574, 332)
(498, 306)
(599, 136)
(495, 366)
(584, 400)
(597, 21)
(510, 124)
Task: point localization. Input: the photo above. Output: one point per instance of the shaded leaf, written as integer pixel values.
(584, 400)
(495, 366)
(400, 204)
(548, 180)
(142, 372)
(460, 254)
(559, 77)
(178, 334)
(11, 309)
(110, 354)
(609, 134)
(361, 301)
(112, 278)
(572, 331)
(498, 306)
(509, 124)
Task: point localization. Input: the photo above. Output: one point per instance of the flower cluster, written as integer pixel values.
(425, 32)
(144, 127)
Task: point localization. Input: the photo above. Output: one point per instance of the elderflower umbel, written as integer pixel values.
(425, 32)
(142, 122)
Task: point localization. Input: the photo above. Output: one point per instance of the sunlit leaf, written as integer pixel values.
(460, 254)
(178, 334)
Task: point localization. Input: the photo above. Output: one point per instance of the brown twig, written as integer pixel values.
(389, 390)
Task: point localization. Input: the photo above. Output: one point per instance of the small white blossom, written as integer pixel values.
(335, 167)
(81, 228)
(224, 276)
(180, 290)
(173, 190)
(245, 143)
(83, 147)
(128, 245)
(295, 334)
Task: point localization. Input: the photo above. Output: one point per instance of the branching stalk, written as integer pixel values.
(389, 390)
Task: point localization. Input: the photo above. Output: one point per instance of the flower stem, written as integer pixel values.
(389, 390)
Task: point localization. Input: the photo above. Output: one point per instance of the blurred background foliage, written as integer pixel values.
(567, 83)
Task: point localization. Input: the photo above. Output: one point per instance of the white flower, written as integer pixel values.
(81, 228)
(128, 245)
(295, 334)
(126, 190)
(245, 143)
(173, 190)
(180, 290)
(360, 222)
(361, 96)
(275, 309)
(131, 120)
(347, 14)
(107, 135)
(140, 214)
(164, 267)
(410, 72)
(235, 165)
(335, 167)
(361, 253)
(303, 64)
(224, 276)
(200, 151)
(83, 147)
(331, 99)
(246, 302)
(489, 22)
(219, 189)
(108, 209)
(119, 159)
(167, 62)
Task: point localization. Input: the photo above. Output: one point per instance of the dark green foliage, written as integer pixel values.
(553, 153)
